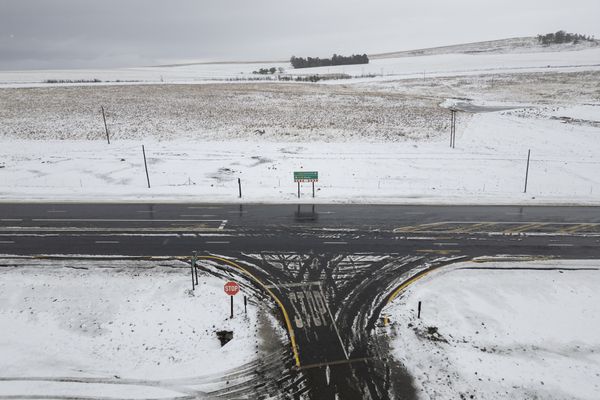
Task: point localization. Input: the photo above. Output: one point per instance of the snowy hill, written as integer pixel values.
(501, 46)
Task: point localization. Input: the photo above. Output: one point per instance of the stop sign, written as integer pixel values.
(231, 288)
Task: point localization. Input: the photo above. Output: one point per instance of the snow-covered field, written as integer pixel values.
(122, 329)
(487, 166)
(379, 139)
(528, 333)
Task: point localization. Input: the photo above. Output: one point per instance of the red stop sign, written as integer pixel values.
(231, 288)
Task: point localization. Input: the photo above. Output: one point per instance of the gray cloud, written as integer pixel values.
(82, 33)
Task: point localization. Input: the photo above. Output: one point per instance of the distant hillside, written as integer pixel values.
(512, 45)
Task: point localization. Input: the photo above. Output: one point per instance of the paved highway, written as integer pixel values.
(330, 268)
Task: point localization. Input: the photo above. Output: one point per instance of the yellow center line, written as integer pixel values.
(473, 227)
(418, 228)
(288, 322)
(577, 227)
(437, 251)
(526, 227)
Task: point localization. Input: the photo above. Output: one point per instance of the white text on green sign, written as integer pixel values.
(306, 176)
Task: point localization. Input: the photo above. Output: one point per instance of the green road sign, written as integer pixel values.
(306, 176)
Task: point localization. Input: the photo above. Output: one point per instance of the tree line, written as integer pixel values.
(563, 37)
(299, 62)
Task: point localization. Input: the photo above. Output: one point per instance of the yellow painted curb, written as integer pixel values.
(288, 322)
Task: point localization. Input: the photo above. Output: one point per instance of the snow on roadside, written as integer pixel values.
(120, 321)
(487, 166)
(497, 334)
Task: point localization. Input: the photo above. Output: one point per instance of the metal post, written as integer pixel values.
(105, 126)
(419, 310)
(298, 189)
(527, 170)
(231, 307)
(245, 305)
(240, 187)
(313, 185)
(146, 166)
(194, 265)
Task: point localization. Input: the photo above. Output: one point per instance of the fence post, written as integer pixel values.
(105, 126)
(527, 170)
(146, 166)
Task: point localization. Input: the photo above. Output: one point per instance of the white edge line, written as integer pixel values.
(120, 220)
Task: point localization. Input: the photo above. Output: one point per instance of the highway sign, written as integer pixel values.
(231, 288)
(306, 176)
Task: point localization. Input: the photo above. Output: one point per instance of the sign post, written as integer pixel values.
(231, 288)
(306, 176)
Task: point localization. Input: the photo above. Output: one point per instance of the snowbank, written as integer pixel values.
(125, 329)
(531, 332)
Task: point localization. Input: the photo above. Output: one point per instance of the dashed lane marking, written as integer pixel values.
(6, 241)
(335, 242)
(11, 220)
(445, 244)
(56, 211)
(560, 245)
(106, 241)
(217, 242)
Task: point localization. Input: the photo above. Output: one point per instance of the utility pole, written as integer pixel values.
(105, 126)
(452, 128)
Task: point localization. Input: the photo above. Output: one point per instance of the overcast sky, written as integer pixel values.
(111, 33)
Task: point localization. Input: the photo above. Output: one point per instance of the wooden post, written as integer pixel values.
(527, 170)
(105, 126)
(193, 283)
(194, 265)
(146, 166)
(451, 127)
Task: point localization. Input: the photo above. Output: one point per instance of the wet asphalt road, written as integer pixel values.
(333, 267)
